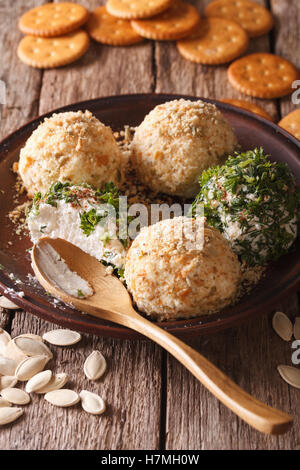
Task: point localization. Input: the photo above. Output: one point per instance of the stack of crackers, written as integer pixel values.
(53, 38)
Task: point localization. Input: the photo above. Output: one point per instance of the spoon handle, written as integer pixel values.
(259, 415)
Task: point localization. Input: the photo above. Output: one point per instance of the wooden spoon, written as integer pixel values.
(111, 301)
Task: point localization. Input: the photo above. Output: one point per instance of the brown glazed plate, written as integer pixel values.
(281, 278)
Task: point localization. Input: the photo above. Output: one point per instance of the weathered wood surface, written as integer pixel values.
(152, 401)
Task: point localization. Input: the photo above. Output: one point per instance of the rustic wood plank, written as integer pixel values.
(178, 75)
(195, 419)
(287, 40)
(249, 355)
(6, 317)
(22, 82)
(130, 387)
(102, 71)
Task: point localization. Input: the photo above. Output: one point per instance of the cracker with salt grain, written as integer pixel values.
(108, 29)
(175, 23)
(263, 75)
(137, 8)
(215, 41)
(47, 53)
(253, 18)
(291, 123)
(53, 19)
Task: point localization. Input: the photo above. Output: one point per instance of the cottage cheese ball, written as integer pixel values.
(178, 140)
(72, 146)
(169, 276)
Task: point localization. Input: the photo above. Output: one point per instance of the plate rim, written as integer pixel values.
(177, 327)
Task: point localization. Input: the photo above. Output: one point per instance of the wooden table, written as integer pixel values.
(153, 402)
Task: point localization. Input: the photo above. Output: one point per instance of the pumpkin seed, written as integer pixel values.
(63, 397)
(13, 352)
(297, 328)
(30, 367)
(57, 381)
(7, 366)
(6, 303)
(290, 374)
(92, 403)
(4, 340)
(7, 381)
(9, 414)
(4, 402)
(95, 365)
(15, 396)
(30, 335)
(283, 326)
(32, 347)
(38, 381)
(62, 337)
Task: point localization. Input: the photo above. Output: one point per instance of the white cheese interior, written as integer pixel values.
(59, 273)
(63, 222)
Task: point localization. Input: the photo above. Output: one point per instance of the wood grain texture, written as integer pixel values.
(131, 388)
(178, 75)
(102, 71)
(287, 40)
(22, 82)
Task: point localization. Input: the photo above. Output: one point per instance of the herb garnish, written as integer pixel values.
(80, 293)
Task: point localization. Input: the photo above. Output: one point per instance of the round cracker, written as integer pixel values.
(216, 41)
(53, 19)
(108, 29)
(175, 23)
(47, 53)
(254, 108)
(291, 123)
(253, 18)
(133, 9)
(263, 75)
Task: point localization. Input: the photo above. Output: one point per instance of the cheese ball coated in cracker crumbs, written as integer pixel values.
(177, 141)
(71, 146)
(170, 276)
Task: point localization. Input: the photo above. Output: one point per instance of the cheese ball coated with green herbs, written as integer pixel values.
(254, 202)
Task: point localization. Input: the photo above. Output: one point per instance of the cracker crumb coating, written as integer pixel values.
(178, 140)
(71, 146)
(170, 278)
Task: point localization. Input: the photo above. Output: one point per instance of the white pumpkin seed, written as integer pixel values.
(32, 347)
(7, 381)
(95, 365)
(62, 337)
(15, 396)
(290, 374)
(6, 303)
(30, 367)
(92, 403)
(4, 402)
(9, 414)
(7, 366)
(38, 381)
(283, 326)
(63, 397)
(30, 335)
(297, 328)
(4, 340)
(14, 353)
(57, 381)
